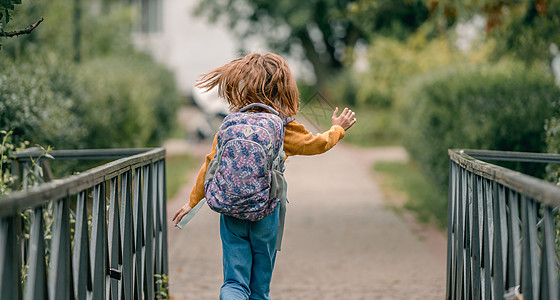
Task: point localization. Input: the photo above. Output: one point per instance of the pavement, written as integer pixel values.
(342, 239)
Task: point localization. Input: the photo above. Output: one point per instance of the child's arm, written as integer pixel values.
(197, 192)
(299, 141)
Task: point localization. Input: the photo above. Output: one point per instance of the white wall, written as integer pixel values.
(187, 44)
(190, 46)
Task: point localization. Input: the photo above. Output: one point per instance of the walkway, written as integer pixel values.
(341, 240)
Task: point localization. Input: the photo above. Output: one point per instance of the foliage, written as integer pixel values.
(99, 33)
(392, 63)
(323, 32)
(37, 103)
(7, 149)
(375, 92)
(73, 107)
(502, 107)
(6, 8)
(162, 282)
(116, 96)
(127, 107)
(394, 19)
(8, 180)
(552, 128)
(524, 28)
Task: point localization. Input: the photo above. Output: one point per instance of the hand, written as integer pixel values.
(181, 213)
(346, 119)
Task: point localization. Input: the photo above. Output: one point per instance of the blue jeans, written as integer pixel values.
(249, 252)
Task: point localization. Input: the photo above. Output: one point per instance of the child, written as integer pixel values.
(249, 248)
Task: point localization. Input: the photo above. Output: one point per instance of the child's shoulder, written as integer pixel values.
(295, 127)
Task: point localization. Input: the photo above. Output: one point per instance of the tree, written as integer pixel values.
(523, 28)
(6, 8)
(324, 31)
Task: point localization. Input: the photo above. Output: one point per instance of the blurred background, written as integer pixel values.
(425, 75)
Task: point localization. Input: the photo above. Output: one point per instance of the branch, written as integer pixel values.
(23, 31)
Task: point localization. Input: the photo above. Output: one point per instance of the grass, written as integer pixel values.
(178, 132)
(178, 170)
(422, 197)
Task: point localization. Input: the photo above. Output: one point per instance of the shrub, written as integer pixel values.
(373, 93)
(501, 107)
(37, 103)
(552, 127)
(114, 97)
(129, 101)
(105, 102)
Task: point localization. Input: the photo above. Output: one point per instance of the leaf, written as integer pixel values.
(47, 155)
(7, 12)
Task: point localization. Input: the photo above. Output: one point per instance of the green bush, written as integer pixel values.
(373, 93)
(501, 107)
(128, 101)
(114, 97)
(552, 127)
(37, 103)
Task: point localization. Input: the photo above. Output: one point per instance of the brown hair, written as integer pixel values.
(255, 78)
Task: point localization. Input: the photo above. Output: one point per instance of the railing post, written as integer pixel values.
(500, 236)
(460, 289)
(128, 268)
(158, 227)
(163, 203)
(477, 218)
(81, 252)
(10, 270)
(36, 283)
(99, 253)
(514, 240)
(115, 241)
(549, 274)
(148, 195)
(487, 233)
(60, 277)
(529, 266)
(468, 232)
(139, 241)
(451, 231)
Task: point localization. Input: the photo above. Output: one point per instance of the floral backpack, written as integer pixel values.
(245, 179)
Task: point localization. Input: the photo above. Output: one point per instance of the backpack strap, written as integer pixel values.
(282, 215)
(270, 109)
(288, 120)
(284, 195)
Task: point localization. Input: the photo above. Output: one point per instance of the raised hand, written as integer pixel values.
(346, 119)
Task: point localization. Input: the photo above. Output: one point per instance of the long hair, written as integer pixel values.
(255, 78)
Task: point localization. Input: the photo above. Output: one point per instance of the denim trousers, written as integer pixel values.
(249, 252)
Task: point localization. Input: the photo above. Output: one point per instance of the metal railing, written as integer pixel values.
(100, 234)
(503, 239)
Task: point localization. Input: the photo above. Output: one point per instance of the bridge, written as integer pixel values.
(103, 233)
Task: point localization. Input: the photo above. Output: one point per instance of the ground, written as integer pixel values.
(342, 239)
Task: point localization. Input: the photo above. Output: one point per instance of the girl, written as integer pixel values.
(249, 248)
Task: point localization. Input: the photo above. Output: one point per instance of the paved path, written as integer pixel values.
(341, 240)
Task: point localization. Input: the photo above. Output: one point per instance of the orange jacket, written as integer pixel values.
(297, 141)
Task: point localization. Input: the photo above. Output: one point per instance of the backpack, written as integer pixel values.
(245, 179)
